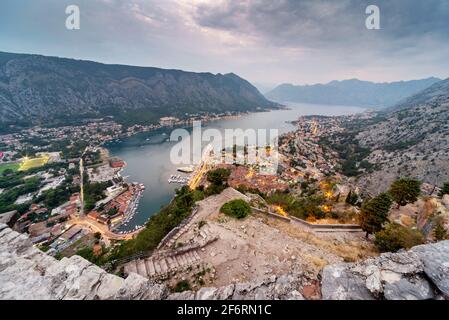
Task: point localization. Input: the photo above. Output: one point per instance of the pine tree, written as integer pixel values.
(374, 213)
(405, 191)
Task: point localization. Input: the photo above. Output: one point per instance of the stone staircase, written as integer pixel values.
(162, 267)
(184, 229)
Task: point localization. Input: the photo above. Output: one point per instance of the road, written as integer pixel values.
(204, 166)
(103, 229)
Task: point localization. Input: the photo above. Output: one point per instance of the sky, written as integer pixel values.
(267, 42)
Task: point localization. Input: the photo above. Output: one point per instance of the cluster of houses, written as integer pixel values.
(120, 203)
(50, 228)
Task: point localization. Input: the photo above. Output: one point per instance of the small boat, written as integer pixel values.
(186, 169)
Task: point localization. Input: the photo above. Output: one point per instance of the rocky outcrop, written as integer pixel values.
(28, 273)
(284, 287)
(421, 273)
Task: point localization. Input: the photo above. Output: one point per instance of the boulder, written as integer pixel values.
(339, 283)
(435, 258)
(391, 276)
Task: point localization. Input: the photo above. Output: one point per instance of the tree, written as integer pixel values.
(395, 237)
(218, 176)
(352, 198)
(445, 189)
(405, 191)
(374, 213)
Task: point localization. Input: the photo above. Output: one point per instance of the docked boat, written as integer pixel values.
(186, 169)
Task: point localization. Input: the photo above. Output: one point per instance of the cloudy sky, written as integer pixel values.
(264, 41)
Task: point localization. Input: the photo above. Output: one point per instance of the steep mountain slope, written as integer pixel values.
(38, 89)
(439, 91)
(412, 141)
(351, 92)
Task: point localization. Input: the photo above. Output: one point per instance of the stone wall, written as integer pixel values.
(28, 273)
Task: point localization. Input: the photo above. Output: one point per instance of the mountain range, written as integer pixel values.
(412, 139)
(37, 89)
(352, 92)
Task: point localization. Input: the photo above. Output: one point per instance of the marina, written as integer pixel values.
(178, 179)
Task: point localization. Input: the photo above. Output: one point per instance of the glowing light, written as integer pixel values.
(281, 211)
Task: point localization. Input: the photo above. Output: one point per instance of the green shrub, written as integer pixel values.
(395, 237)
(439, 231)
(182, 285)
(239, 209)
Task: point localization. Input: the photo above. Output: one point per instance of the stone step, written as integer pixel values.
(179, 260)
(131, 267)
(189, 258)
(157, 266)
(186, 259)
(196, 255)
(183, 260)
(141, 269)
(150, 267)
(172, 263)
(164, 266)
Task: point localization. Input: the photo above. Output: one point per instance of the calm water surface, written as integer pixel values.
(148, 154)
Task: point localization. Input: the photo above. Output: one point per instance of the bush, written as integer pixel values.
(395, 237)
(182, 285)
(236, 208)
(439, 231)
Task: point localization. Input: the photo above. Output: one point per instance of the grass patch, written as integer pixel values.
(11, 166)
(33, 163)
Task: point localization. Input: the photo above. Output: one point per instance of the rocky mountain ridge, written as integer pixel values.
(37, 89)
(410, 141)
(351, 92)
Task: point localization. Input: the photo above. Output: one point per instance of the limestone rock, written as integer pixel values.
(408, 289)
(338, 283)
(435, 258)
(28, 273)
